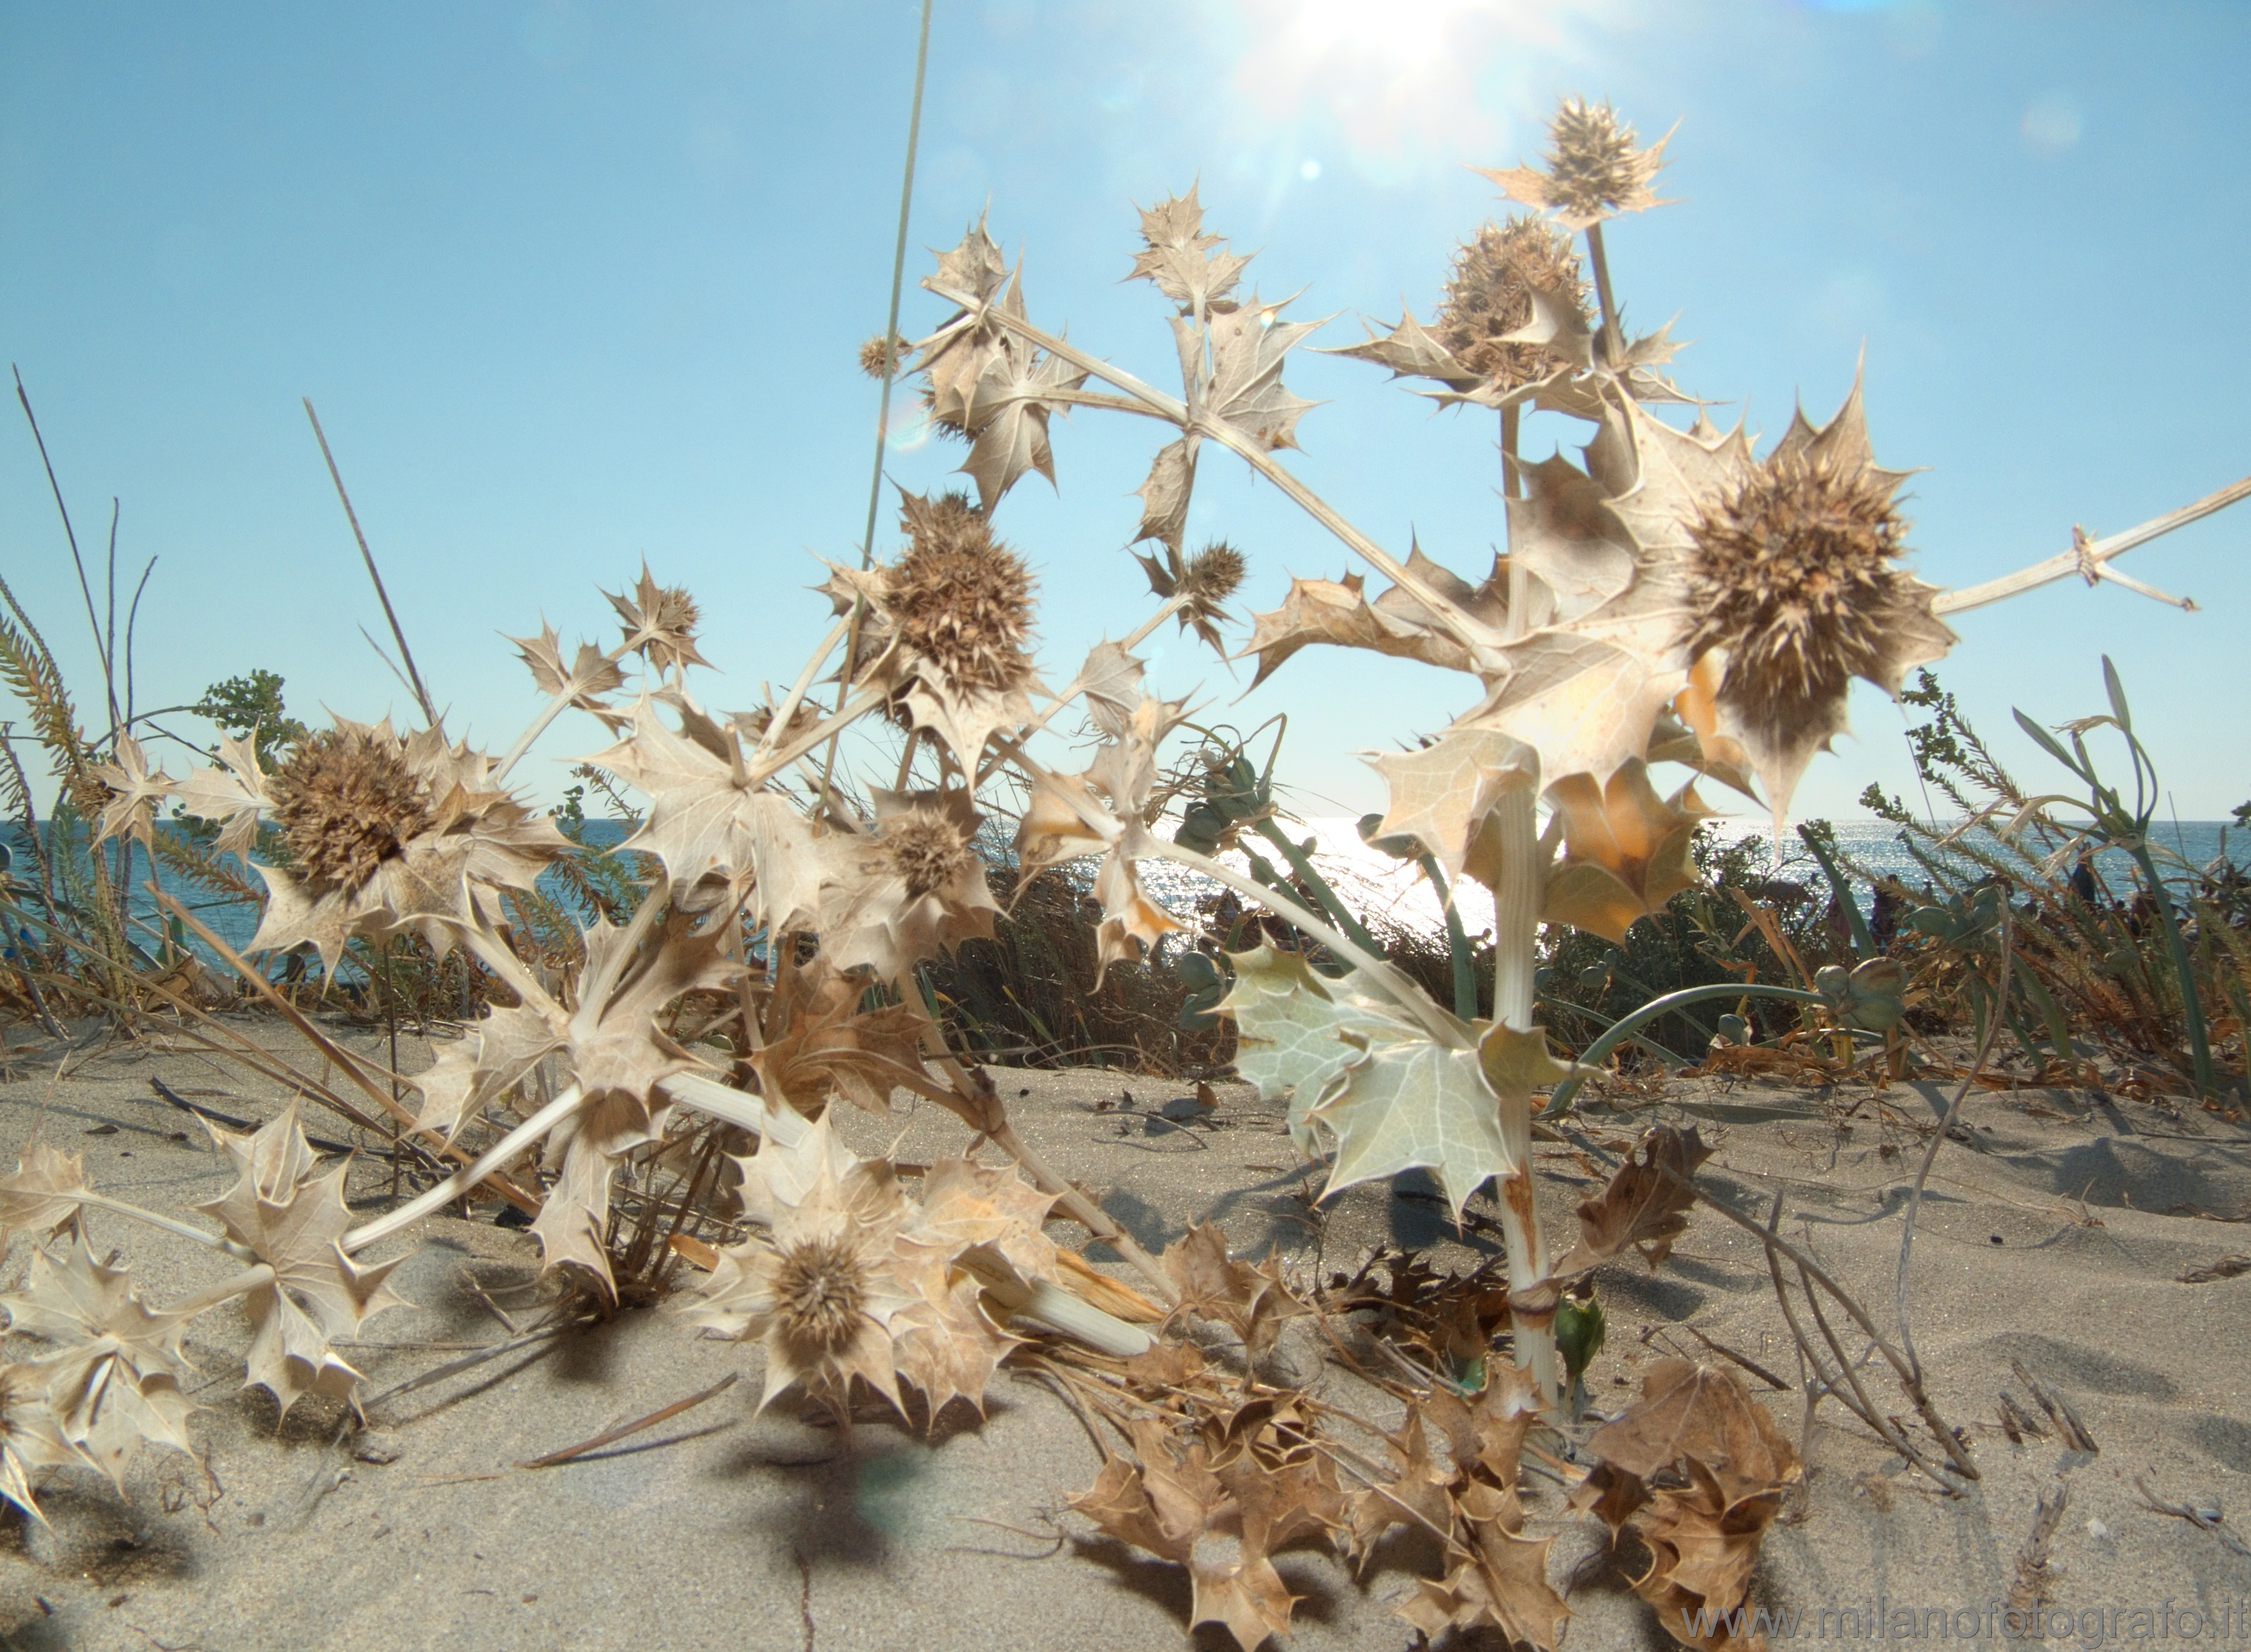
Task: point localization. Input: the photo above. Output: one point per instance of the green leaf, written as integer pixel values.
(1289, 1030)
(2116, 690)
(2048, 742)
(1407, 1101)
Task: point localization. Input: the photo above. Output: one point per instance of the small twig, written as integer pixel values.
(610, 1436)
(2033, 1574)
(805, 1589)
(2203, 1519)
(2067, 1426)
(1744, 1360)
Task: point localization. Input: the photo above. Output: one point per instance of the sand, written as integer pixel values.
(2053, 1235)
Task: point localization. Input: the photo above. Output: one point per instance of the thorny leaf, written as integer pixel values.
(1336, 612)
(1701, 1412)
(294, 1221)
(706, 815)
(1171, 1499)
(490, 1058)
(43, 1193)
(232, 794)
(1113, 685)
(1586, 689)
(1499, 1578)
(590, 673)
(1178, 258)
(1440, 794)
(1485, 1432)
(1703, 1545)
(620, 1058)
(821, 1043)
(1248, 347)
(955, 357)
(659, 623)
(949, 1345)
(31, 1434)
(1253, 1302)
(135, 791)
(1626, 851)
(1006, 416)
(1288, 1032)
(1410, 350)
(1165, 494)
(114, 1380)
(1641, 1205)
(1402, 1101)
(1419, 1496)
(1515, 1064)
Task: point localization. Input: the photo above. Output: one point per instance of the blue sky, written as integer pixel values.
(577, 284)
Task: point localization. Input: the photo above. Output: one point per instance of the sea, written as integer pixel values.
(1381, 890)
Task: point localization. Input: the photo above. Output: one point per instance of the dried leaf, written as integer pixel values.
(1248, 347)
(1252, 1301)
(1173, 1502)
(906, 891)
(1005, 415)
(589, 674)
(1641, 1206)
(232, 795)
(1165, 494)
(1336, 611)
(819, 1042)
(1500, 1578)
(43, 1193)
(1703, 1544)
(1418, 1497)
(294, 1221)
(1700, 1412)
(113, 1381)
(1440, 794)
(491, 1057)
(135, 791)
(1178, 258)
(1410, 350)
(1625, 853)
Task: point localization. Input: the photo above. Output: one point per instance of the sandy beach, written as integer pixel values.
(2053, 1236)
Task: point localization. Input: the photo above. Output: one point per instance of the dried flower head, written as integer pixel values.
(819, 1285)
(347, 799)
(880, 356)
(960, 599)
(1490, 296)
(912, 887)
(1212, 576)
(1594, 172)
(1793, 590)
(926, 849)
(1791, 573)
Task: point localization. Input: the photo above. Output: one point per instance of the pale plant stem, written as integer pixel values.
(1516, 922)
(1466, 631)
(802, 687)
(1077, 686)
(184, 1230)
(773, 761)
(210, 1296)
(532, 1129)
(557, 704)
(1597, 257)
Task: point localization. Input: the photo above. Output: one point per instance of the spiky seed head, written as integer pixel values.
(1489, 295)
(1212, 576)
(1791, 572)
(960, 598)
(1593, 169)
(674, 612)
(347, 800)
(819, 1287)
(925, 848)
(880, 357)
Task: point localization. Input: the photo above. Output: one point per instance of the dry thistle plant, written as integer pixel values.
(1675, 600)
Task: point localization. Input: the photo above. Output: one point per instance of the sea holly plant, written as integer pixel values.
(1673, 598)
